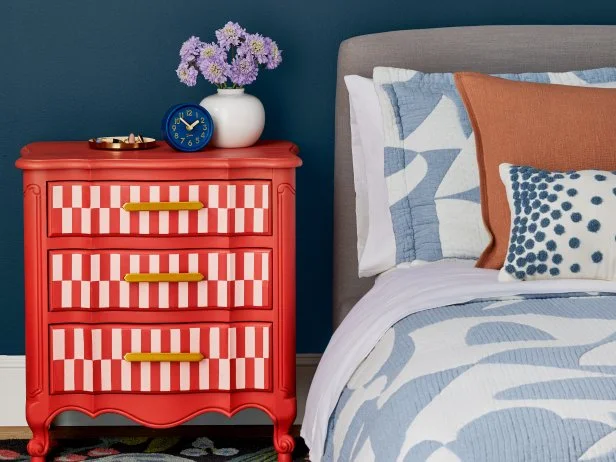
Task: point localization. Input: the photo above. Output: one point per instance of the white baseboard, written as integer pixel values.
(13, 391)
(13, 399)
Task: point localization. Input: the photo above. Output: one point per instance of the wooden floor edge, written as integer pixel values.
(187, 431)
(15, 433)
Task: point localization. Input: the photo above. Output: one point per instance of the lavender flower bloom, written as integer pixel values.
(211, 51)
(255, 45)
(275, 54)
(187, 74)
(230, 35)
(190, 49)
(243, 71)
(214, 70)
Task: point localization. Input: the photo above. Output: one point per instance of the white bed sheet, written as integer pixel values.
(397, 294)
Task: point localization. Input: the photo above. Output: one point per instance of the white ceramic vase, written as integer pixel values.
(238, 117)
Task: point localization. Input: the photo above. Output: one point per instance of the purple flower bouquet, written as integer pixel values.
(233, 61)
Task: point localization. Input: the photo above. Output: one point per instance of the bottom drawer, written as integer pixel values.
(101, 358)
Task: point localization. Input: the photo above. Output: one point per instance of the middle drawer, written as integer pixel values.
(155, 280)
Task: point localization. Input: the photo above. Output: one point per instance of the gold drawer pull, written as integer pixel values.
(159, 206)
(163, 357)
(163, 277)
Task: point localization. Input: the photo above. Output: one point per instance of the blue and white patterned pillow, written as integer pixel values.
(563, 224)
(430, 160)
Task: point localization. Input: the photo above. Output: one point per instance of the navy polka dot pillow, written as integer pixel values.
(563, 224)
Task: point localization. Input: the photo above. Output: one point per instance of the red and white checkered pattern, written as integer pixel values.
(90, 359)
(83, 279)
(80, 208)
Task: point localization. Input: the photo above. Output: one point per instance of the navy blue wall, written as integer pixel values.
(74, 69)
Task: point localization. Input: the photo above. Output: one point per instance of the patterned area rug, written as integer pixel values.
(161, 449)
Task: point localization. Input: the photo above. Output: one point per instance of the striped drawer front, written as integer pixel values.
(95, 280)
(90, 359)
(91, 209)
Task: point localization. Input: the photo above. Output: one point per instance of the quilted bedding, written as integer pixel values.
(512, 378)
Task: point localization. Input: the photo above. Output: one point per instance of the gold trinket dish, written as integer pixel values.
(122, 143)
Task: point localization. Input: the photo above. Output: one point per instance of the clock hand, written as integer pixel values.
(186, 123)
(193, 124)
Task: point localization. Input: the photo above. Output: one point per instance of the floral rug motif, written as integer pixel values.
(158, 449)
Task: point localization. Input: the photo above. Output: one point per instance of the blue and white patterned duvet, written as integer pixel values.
(524, 378)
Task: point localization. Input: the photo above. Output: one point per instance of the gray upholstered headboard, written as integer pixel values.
(490, 49)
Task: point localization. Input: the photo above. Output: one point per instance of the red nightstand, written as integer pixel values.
(159, 285)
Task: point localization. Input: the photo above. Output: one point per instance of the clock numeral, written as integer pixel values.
(189, 112)
(177, 120)
(173, 127)
(202, 134)
(181, 114)
(182, 140)
(202, 120)
(176, 136)
(190, 143)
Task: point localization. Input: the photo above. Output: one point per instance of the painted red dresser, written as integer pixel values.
(159, 285)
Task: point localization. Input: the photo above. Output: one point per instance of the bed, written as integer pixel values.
(441, 362)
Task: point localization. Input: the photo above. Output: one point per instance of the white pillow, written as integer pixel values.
(360, 181)
(376, 246)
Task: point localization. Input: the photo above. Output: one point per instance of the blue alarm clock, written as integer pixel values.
(187, 127)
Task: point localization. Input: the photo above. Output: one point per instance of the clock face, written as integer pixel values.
(187, 127)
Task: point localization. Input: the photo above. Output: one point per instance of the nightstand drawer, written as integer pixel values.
(159, 359)
(159, 209)
(159, 280)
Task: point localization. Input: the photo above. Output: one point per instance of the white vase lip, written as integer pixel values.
(230, 91)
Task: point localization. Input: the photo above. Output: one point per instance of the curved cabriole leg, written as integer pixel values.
(284, 443)
(38, 446)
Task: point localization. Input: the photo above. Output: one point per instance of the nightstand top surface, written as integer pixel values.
(52, 155)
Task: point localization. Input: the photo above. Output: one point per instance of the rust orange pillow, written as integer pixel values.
(551, 127)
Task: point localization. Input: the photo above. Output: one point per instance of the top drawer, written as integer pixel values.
(159, 209)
